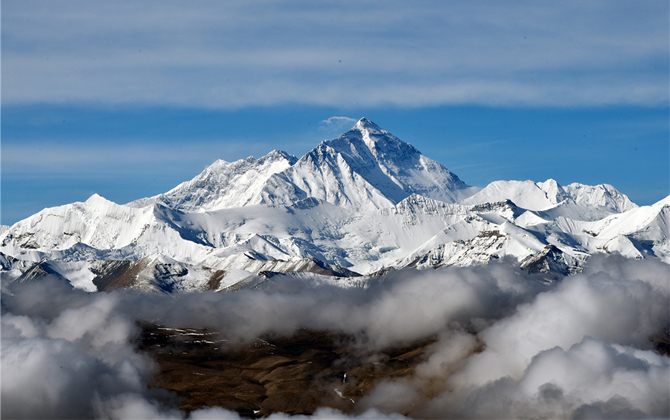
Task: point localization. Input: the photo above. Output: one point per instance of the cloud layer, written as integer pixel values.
(507, 346)
(236, 54)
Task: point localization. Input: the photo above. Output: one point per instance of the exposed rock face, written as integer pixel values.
(549, 260)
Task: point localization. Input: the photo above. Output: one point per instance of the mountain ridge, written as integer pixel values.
(364, 168)
(361, 203)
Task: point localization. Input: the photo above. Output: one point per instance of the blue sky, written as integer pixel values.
(129, 98)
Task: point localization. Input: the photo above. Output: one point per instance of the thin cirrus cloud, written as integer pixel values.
(107, 156)
(234, 54)
(56, 159)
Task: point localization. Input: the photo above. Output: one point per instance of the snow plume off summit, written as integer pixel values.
(370, 280)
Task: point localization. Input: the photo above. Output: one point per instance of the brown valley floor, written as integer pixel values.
(293, 374)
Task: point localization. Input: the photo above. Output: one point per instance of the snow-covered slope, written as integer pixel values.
(99, 228)
(577, 201)
(224, 184)
(357, 204)
(368, 168)
(637, 233)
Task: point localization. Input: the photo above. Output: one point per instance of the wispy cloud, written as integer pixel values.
(237, 54)
(47, 158)
(57, 159)
(338, 120)
(336, 124)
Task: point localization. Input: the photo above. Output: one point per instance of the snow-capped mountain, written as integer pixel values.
(364, 168)
(355, 205)
(583, 202)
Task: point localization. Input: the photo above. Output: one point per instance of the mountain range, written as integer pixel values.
(351, 209)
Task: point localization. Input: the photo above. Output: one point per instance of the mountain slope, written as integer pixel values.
(367, 167)
(223, 184)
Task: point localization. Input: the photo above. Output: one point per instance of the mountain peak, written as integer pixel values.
(277, 154)
(369, 143)
(377, 160)
(367, 129)
(365, 123)
(97, 199)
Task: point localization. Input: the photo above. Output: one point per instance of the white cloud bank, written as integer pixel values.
(343, 53)
(508, 347)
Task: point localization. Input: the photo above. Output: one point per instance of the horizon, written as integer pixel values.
(105, 100)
